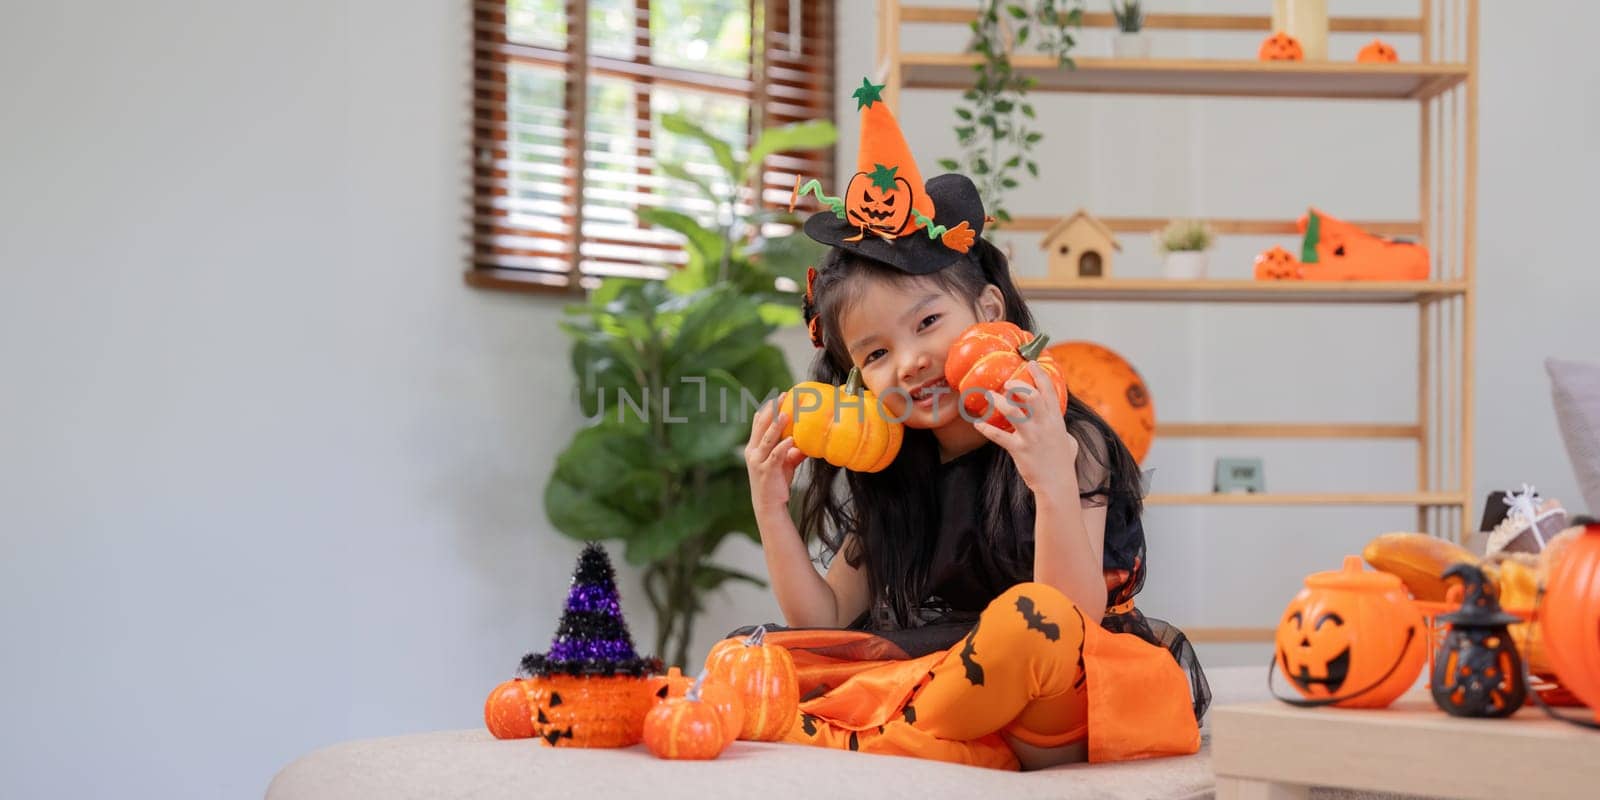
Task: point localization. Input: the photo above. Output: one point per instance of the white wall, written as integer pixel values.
(271, 474)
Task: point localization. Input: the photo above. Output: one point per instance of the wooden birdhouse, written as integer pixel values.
(1080, 247)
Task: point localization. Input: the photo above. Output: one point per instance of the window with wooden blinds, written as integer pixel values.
(568, 104)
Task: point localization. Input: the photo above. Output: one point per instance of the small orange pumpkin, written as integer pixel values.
(1377, 52)
(1281, 46)
(880, 201)
(1569, 621)
(720, 696)
(508, 712)
(685, 727)
(847, 426)
(988, 355)
(1352, 638)
(764, 677)
(1277, 265)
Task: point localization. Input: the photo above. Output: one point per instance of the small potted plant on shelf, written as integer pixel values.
(1183, 243)
(1130, 40)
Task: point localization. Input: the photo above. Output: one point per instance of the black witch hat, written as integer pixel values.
(593, 638)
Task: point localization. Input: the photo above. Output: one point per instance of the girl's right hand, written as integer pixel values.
(771, 459)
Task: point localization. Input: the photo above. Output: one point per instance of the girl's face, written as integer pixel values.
(898, 334)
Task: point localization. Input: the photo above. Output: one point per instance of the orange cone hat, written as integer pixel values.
(887, 185)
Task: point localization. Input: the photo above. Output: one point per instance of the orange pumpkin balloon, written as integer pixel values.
(685, 728)
(1109, 385)
(1569, 622)
(1352, 634)
(508, 712)
(764, 677)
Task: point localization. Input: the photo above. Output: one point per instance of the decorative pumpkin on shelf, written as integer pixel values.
(1277, 264)
(718, 695)
(1281, 46)
(1569, 618)
(1105, 382)
(764, 678)
(988, 355)
(687, 727)
(1351, 639)
(508, 712)
(1477, 671)
(846, 426)
(1377, 52)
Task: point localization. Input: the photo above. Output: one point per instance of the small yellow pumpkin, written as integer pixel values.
(847, 426)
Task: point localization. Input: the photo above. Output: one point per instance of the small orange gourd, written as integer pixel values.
(685, 728)
(764, 677)
(847, 426)
(508, 712)
(719, 695)
(990, 354)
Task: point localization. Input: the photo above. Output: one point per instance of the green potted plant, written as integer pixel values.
(669, 373)
(1183, 243)
(1130, 40)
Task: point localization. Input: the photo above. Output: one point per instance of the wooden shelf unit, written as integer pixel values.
(1442, 84)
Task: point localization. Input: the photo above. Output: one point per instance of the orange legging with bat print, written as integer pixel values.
(1032, 669)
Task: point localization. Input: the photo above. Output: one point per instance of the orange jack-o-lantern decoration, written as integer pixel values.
(763, 675)
(1281, 47)
(687, 728)
(508, 712)
(718, 695)
(589, 711)
(1110, 386)
(1351, 638)
(880, 201)
(1377, 52)
(1277, 264)
(1569, 621)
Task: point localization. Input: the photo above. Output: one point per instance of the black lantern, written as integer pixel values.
(1477, 671)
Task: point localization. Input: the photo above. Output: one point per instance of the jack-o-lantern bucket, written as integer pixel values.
(1569, 620)
(1350, 638)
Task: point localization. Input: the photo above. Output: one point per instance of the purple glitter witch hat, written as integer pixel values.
(592, 638)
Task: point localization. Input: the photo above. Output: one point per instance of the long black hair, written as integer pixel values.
(887, 521)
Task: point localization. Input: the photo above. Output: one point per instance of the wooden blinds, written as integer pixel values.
(568, 102)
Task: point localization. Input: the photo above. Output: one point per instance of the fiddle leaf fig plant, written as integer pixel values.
(669, 373)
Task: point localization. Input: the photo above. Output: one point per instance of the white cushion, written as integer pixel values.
(1575, 392)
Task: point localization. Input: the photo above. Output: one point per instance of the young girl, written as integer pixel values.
(979, 604)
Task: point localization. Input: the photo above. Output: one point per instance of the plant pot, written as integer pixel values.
(1130, 45)
(1185, 265)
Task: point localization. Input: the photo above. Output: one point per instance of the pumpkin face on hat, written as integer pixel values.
(1377, 52)
(879, 201)
(1353, 636)
(1281, 47)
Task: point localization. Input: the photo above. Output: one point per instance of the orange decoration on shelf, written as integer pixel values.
(764, 678)
(1110, 386)
(508, 712)
(686, 728)
(1346, 252)
(1277, 264)
(1569, 621)
(1377, 52)
(1352, 638)
(1281, 47)
(990, 354)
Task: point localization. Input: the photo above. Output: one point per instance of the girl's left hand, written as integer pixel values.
(1045, 453)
